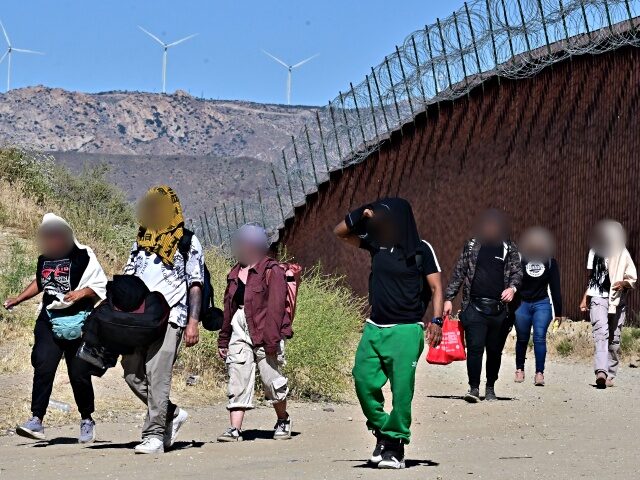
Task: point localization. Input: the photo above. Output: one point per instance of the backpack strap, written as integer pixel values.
(184, 245)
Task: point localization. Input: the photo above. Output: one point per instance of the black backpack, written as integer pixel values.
(210, 316)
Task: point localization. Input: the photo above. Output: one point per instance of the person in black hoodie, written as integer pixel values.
(405, 276)
(541, 299)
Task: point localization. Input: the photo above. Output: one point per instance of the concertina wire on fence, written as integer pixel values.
(444, 61)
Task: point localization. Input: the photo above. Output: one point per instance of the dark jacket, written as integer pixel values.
(264, 306)
(465, 269)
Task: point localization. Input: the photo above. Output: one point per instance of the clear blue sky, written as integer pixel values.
(95, 45)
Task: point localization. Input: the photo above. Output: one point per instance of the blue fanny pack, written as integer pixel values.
(67, 327)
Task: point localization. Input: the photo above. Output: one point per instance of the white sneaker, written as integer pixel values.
(150, 445)
(171, 435)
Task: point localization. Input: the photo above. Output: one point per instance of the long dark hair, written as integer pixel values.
(598, 271)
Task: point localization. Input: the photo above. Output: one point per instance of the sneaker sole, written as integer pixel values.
(391, 466)
(26, 433)
(229, 439)
(375, 460)
(148, 452)
(471, 399)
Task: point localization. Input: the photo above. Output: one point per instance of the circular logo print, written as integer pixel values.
(535, 269)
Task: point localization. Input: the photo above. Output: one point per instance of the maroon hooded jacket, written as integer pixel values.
(264, 306)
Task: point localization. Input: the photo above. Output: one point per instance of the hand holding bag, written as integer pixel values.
(451, 348)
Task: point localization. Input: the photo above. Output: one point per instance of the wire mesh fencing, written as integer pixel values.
(444, 61)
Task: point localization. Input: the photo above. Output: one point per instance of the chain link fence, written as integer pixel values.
(444, 61)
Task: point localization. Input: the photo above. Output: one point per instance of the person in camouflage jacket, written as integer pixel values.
(489, 271)
(465, 268)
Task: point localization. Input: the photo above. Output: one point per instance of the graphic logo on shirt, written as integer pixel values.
(55, 276)
(535, 269)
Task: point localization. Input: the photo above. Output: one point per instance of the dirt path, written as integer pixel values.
(567, 430)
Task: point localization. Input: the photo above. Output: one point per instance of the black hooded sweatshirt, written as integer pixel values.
(398, 293)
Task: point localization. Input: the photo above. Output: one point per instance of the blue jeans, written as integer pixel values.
(538, 315)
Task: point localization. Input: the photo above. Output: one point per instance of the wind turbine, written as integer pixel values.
(9, 52)
(166, 46)
(289, 70)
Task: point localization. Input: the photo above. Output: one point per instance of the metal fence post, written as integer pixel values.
(264, 218)
(473, 38)
(393, 88)
(215, 212)
(464, 65)
(444, 53)
(586, 20)
(433, 65)
(295, 152)
(544, 27)
(313, 165)
(275, 181)
(506, 22)
(404, 79)
(418, 73)
(335, 131)
(286, 172)
(324, 147)
(384, 112)
(346, 123)
(373, 112)
(355, 103)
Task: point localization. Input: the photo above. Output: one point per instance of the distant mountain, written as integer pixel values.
(215, 147)
(128, 123)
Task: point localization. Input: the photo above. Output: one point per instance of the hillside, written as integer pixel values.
(136, 123)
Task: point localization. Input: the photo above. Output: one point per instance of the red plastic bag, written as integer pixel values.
(452, 348)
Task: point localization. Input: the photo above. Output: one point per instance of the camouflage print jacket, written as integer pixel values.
(465, 269)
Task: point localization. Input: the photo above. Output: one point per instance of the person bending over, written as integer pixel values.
(489, 272)
(254, 331)
(157, 260)
(72, 281)
(404, 278)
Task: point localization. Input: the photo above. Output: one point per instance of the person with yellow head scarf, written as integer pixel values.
(156, 258)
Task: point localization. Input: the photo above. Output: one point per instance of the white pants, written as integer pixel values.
(242, 360)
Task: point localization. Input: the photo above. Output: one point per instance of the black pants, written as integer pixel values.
(45, 358)
(484, 332)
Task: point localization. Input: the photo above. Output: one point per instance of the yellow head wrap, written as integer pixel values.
(163, 235)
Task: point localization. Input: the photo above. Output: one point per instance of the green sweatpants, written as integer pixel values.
(388, 354)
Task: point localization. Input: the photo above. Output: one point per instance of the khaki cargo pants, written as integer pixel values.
(242, 360)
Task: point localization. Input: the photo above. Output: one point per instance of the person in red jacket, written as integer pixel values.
(254, 330)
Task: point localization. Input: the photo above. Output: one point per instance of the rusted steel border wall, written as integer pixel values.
(561, 149)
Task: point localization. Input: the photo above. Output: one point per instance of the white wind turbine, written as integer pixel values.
(289, 70)
(166, 46)
(9, 52)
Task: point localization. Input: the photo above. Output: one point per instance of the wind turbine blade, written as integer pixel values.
(152, 36)
(276, 59)
(23, 50)
(299, 64)
(173, 44)
(6, 37)
(5, 54)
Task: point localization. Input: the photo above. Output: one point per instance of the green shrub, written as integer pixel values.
(564, 347)
(16, 270)
(630, 341)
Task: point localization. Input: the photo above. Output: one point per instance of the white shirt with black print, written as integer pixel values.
(171, 282)
(599, 290)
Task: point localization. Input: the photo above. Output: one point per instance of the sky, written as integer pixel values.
(95, 45)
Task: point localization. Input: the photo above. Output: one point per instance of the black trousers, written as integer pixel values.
(45, 358)
(484, 332)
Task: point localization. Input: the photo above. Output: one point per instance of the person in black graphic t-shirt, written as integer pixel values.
(541, 299)
(489, 272)
(71, 282)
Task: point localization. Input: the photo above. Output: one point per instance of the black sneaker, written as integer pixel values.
(376, 456)
(392, 455)
(490, 394)
(473, 395)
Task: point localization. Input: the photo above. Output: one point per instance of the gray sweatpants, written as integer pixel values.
(148, 373)
(606, 330)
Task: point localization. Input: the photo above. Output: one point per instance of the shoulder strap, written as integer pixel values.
(184, 244)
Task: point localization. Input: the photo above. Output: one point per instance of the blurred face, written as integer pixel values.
(608, 238)
(537, 243)
(55, 242)
(155, 212)
(383, 229)
(247, 253)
